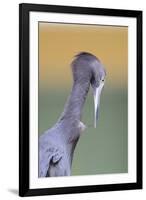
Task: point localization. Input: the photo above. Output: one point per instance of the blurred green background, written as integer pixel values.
(104, 149)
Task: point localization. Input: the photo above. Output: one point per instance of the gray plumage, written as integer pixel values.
(57, 144)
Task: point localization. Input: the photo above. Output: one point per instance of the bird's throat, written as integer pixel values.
(74, 106)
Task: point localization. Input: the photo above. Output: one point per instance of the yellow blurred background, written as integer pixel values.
(58, 43)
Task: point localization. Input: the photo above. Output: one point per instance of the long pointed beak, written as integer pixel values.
(96, 94)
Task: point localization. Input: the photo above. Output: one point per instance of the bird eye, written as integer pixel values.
(102, 80)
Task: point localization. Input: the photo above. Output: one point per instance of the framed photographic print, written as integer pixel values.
(80, 99)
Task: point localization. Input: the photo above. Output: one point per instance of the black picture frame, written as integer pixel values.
(24, 105)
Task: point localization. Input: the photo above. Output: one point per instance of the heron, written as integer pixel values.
(57, 144)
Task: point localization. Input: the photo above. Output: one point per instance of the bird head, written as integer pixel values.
(87, 67)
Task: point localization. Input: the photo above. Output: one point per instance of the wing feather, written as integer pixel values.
(48, 154)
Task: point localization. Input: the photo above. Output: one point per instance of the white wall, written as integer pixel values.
(9, 97)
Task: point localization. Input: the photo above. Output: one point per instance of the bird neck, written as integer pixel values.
(74, 106)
